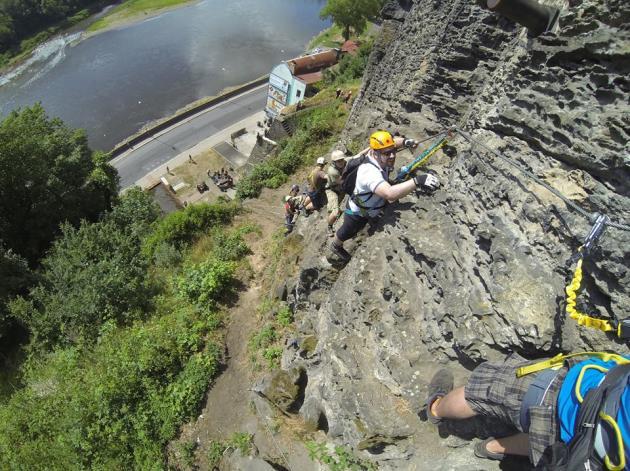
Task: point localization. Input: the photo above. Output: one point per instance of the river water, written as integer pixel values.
(115, 82)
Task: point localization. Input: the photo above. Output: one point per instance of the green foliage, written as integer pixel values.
(272, 355)
(135, 212)
(25, 24)
(265, 337)
(350, 67)
(15, 277)
(351, 14)
(341, 459)
(284, 316)
(231, 246)
(187, 452)
(240, 441)
(182, 227)
(315, 132)
(215, 453)
(204, 283)
(115, 368)
(92, 275)
(48, 175)
(116, 406)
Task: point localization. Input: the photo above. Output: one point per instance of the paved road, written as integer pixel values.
(153, 152)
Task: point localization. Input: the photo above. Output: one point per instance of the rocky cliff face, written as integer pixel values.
(478, 269)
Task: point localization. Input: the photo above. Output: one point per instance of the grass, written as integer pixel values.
(330, 37)
(266, 345)
(132, 9)
(240, 441)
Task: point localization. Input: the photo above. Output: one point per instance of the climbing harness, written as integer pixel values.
(558, 360)
(407, 170)
(600, 406)
(620, 328)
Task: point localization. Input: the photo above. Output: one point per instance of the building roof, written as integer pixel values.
(310, 77)
(350, 47)
(313, 62)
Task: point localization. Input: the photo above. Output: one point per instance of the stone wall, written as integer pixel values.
(477, 270)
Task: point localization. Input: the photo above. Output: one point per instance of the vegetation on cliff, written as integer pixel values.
(317, 127)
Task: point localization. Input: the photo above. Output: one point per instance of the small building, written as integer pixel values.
(289, 80)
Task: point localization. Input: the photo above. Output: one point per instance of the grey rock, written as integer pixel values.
(478, 269)
(283, 388)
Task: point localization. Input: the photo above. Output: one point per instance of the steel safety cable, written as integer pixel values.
(529, 174)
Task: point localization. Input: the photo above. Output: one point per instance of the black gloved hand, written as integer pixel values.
(410, 143)
(426, 182)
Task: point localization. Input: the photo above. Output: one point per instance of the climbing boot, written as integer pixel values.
(441, 384)
(340, 252)
(481, 451)
(331, 231)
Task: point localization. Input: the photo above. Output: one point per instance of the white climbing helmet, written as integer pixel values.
(337, 155)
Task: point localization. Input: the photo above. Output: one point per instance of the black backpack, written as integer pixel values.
(349, 174)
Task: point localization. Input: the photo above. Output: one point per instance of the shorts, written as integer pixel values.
(494, 390)
(352, 224)
(318, 199)
(335, 201)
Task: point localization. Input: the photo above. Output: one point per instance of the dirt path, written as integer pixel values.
(228, 407)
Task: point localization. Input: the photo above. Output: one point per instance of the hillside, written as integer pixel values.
(478, 269)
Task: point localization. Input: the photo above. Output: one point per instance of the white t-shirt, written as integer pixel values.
(369, 177)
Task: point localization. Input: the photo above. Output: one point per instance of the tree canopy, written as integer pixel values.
(20, 19)
(48, 175)
(92, 275)
(351, 14)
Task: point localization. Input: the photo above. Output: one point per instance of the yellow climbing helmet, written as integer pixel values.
(381, 140)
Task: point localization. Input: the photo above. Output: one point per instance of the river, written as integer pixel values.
(113, 83)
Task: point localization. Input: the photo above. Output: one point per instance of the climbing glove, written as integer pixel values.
(410, 143)
(426, 182)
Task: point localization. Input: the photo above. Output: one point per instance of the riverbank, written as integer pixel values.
(131, 12)
(90, 23)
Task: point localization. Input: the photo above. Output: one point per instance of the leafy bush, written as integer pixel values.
(48, 175)
(284, 316)
(204, 283)
(341, 459)
(92, 275)
(240, 441)
(350, 67)
(182, 227)
(272, 355)
(315, 133)
(135, 212)
(116, 406)
(231, 247)
(264, 338)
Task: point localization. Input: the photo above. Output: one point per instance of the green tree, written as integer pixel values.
(93, 275)
(48, 175)
(351, 14)
(15, 278)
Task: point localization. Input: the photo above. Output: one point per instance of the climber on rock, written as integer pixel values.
(334, 192)
(544, 404)
(317, 186)
(372, 189)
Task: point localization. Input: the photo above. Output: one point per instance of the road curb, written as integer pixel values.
(173, 120)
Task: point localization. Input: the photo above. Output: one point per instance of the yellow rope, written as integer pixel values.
(582, 319)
